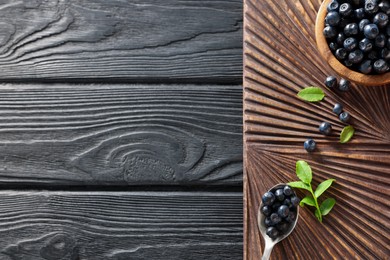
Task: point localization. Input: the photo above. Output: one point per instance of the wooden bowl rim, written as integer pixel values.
(337, 66)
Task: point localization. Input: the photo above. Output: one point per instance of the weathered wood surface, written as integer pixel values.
(132, 41)
(120, 134)
(120, 225)
(280, 58)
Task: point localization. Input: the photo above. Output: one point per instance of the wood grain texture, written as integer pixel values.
(281, 58)
(120, 134)
(120, 225)
(131, 41)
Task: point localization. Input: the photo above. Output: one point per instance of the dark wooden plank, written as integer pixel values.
(281, 58)
(120, 134)
(141, 40)
(120, 225)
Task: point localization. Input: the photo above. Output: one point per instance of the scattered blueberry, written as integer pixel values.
(331, 82)
(325, 128)
(344, 85)
(309, 145)
(337, 109)
(344, 117)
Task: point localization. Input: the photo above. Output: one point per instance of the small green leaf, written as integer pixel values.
(303, 171)
(311, 94)
(318, 215)
(299, 185)
(327, 205)
(346, 134)
(308, 201)
(323, 186)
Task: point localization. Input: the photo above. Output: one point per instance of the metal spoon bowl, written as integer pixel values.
(270, 243)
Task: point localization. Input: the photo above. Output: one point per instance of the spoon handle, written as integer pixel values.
(267, 250)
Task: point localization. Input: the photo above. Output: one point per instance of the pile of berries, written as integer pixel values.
(280, 210)
(358, 34)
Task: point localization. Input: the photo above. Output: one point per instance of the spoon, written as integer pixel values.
(269, 242)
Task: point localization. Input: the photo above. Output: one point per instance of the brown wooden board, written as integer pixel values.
(281, 58)
(120, 225)
(120, 134)
(137, 41)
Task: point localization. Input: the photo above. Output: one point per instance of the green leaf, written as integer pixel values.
(308, 201)
(303, 171)
(346, 134)
(311, 94)
(299, 185)
(322, 187)
(318, 215)
(327, 205)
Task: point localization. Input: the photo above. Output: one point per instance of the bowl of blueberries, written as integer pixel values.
(353, 36)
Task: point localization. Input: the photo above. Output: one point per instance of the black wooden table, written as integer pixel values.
(121, 129)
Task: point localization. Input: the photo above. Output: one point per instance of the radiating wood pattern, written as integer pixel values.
(120, 134)
(280, 58)
(137, 41)
(120, 225)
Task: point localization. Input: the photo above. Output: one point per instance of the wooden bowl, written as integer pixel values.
(343, 71)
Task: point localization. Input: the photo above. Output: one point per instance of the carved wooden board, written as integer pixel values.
(280, 58)
(120, 225)
(120, 135)
(137, 41)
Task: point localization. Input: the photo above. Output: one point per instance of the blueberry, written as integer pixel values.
(345, 9)
(276, 205)
(355, 56)
(331, 82)
(344, 117)
(344, 85)
(350, 43)
(351, 29)
(333, 46)
(359, 13)
(279, 194)
(344, 21)
(288, 203)
(385, 54)
(384, 6)
(282, 226)
(283, 211)
(381, 19)
(337, 109)
(268, 198)
(380, 66)
(291, 217)
(288, 191)
(340, 38)
(371, 31)
(371, 6)
(330, 32)
(333, 6)
(363, 23)
(325, 128)
(366, 45)
(365, 67)
(348, 63)
(295, 201)
(268, 222)
(332, 18)
(275, 218)
(380, 41)
(272, 232)
(341, 53)
(309, 145)
(266, 210)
